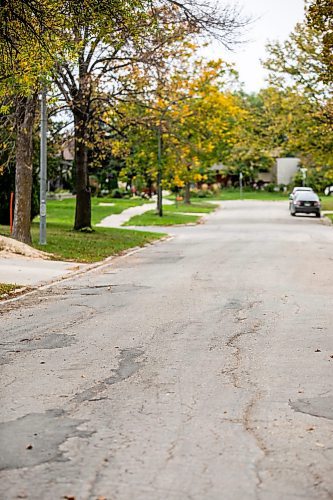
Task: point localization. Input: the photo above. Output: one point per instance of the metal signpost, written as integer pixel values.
(43, 168)
(304, 171)
(241, 185)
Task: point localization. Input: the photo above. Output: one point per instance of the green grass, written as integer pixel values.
(172, 215)
(63, 212)
(204, 208)
(150, 218)
(234, 194)
(66, 244)
(6, 288)
(327, 203)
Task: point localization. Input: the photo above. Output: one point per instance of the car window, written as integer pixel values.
(302, 189)
(306, 196)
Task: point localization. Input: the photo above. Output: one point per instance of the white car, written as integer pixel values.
(328, 191)
(297, 189)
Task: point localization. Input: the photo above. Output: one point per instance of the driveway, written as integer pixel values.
(197, 368)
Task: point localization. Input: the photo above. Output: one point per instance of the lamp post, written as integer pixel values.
(43, 168)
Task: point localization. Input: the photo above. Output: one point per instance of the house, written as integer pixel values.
(222, 175)
(67, 150)
(285, 170)
(264, 178)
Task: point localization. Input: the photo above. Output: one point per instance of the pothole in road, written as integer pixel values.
(234, 304)
(35, 439)
(128, 366)
(49, 341)
(168, 259)
(317, 407)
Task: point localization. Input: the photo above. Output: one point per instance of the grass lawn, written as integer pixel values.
(63, 211)
(203, 207)
(234, 194)
(327, 202)
(66, 244)
(150, 218)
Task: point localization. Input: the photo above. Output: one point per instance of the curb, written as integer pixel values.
(23, 292)
(326, 221)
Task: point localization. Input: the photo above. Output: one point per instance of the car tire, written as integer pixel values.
(293, 214)
(317, 215)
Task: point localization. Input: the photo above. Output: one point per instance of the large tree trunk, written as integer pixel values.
(83, 199)
(25, 116)
(187, 194)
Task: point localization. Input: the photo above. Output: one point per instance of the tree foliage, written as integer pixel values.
(300, 70)
(320, 17)
(88, 49)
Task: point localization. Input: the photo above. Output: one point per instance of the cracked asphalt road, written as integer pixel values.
(198, 368)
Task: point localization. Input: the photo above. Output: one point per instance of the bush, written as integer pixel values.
(202, 193)
(270, 187)
(120, 193)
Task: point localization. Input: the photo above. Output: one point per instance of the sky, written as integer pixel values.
(274, 20)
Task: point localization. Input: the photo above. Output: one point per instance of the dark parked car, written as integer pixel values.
(305, 202)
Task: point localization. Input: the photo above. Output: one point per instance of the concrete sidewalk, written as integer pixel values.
(117, 220)
(25, 271)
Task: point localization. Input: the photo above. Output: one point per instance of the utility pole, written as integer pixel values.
(43, 168)
(159, 171)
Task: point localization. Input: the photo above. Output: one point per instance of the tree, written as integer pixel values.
(72, 37)
(297, 68)
(193, 113)
(30, 41)
(320, 18)
(98, 74)
(19, 93)
(205, 122)
(299, 64)
(140, 33)
(26, 42)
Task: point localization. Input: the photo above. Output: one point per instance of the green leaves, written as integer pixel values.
(300, 70)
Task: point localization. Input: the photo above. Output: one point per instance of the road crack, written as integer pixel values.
(234, 372)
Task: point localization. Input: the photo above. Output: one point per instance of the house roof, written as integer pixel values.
(265, 176)
(218, 166)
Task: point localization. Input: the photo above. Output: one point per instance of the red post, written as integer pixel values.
(11, 212)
